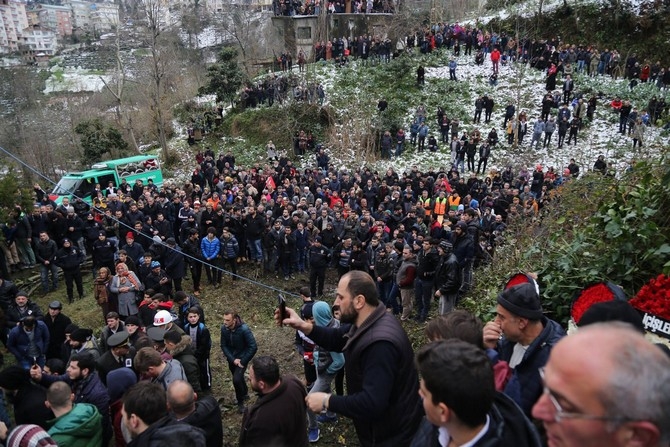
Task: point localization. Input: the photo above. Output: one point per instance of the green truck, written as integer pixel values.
(130, 169)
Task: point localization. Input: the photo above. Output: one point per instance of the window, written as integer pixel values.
(304, 32)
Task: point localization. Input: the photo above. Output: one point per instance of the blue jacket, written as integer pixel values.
(238, 343)
(525, 385)
(210, 249)
(18, 342)
(229, 247)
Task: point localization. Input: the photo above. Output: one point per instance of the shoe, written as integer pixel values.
(314, 434)
(325, 419)
(285, 278)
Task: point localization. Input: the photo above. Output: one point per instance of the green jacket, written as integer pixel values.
(81, 427)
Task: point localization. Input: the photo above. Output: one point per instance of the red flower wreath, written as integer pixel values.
(654, 297)
(596, 293)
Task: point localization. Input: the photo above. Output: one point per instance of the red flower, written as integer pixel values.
(591, 295)
(654, 297)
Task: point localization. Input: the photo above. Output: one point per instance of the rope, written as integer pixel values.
(244, 278)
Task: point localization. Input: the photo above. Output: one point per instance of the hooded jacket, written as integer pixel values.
(184, 353)
(326, 361)
(78, 428)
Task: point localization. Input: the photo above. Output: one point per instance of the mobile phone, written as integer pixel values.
(281, 303)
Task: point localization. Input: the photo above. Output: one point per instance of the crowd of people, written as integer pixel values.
(395, 242)
(316, 7)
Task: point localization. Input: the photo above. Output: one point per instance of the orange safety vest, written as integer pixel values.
(454, 202)
(440, 206)
(426, 206)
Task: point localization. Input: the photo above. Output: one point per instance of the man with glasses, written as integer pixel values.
(606, 386)
(523, 337)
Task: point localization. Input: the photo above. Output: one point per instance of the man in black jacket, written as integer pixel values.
(69, 258)
(198, 411)
(459, 398)
(45, 254)
(382, 381)
(447, 278)
(427, 260)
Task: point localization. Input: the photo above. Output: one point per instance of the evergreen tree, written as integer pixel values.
(225, 77)
(98, 139)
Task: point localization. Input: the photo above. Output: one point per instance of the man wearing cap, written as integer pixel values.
(103, 251)
(114, 325)
(69, 258)
(29, 342)
(118, 355)
(21, 308)
(447, 278)
(523, 337)
(133, 249)
(56, 322)
(165, 320)
(82, 342)
(158, 280)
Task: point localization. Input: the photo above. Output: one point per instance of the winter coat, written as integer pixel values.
(78, 428)
(46, 251)
(69, 259)
(210, 248)
(8, 291)
(172, 371)
(229, 247)
(507, 427)
(448, 275)
(406, 273)
(326, 361)
(525, 385)
(175, 265)
(238, 343)
(278, 418)
(184, 354)
(15, 313)
(18, 342)
(127, 300)
(167, 431)
(207, 416)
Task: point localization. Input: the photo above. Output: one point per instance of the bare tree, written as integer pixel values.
(117, 89)
(158, 21)
(243, 25)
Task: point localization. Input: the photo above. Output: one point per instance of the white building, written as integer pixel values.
(104, 16)
(13, 19)
(39, 40)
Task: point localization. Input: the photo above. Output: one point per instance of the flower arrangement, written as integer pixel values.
(654, 297)
(595, 293)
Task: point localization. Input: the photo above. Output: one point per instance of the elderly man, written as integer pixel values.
(606, 386)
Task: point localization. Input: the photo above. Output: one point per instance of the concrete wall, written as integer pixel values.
(301, 32)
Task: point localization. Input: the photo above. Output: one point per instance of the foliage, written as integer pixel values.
(225, 77)
(12, 193)
(597, 229)
(99, 139)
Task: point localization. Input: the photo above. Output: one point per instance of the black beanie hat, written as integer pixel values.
(615, 310)
(522, 300)
(81, 335)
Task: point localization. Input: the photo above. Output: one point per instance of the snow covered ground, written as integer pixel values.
(600, 137)
(74, 80)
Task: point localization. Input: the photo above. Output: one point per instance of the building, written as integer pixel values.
(38, 44)
(104, 16)
(13, 19)
(56, 18)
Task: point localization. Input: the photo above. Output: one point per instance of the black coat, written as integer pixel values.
(56, 328)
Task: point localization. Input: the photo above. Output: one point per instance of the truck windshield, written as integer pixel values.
(66, 186)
